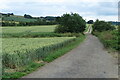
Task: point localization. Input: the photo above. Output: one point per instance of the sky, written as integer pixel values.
(88, 9)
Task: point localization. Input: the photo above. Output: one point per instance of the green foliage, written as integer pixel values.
(27, 16)
(90, 22)
(110, 39)
(107, 33)
(102, 26)
(73, 23)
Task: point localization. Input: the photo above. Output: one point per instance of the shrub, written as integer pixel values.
(109, 39)
(102, 26)
(72, 23)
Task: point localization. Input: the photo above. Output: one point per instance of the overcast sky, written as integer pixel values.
(88, 9)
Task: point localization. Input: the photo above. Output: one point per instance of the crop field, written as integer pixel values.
(21, 51)
(24, 45)
(48, 28)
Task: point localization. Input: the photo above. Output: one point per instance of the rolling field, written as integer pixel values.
(21, 51)
(47, 28)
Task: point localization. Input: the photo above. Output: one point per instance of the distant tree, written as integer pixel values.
(27, 16)
(12, 14)
(9, 14)
(58, 19)
(102, 26)
(22, 23)
(49, 18)
(73, 23)
(90, 22)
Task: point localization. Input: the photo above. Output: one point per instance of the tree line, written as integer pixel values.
(38, 22)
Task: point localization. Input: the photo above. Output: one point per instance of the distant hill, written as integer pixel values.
(16, 18)
(25, 18)
(9, 19)
(114, 23)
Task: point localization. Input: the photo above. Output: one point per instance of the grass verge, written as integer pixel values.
(27, 69)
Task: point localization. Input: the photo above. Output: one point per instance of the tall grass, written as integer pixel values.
(110, 39)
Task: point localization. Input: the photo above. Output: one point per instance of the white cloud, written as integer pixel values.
(3, 4)
(90, 9)
(106, 18)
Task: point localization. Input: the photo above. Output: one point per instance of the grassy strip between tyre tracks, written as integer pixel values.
(53, 55)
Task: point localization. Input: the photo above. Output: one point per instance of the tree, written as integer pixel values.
(9, 14)
(102, 26)
(27, 16)
(90, 22)
(73, 23)
(57, 19)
